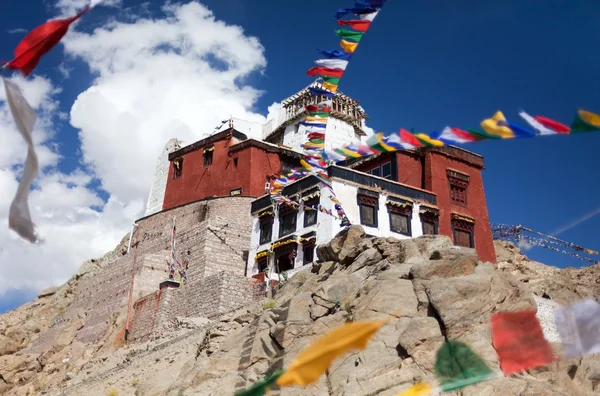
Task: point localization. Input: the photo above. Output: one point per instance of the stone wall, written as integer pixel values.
(214, 295)
(144, 319)
(216, 231)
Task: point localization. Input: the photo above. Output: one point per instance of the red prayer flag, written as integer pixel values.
(324, 71)
(358, 25)
(519, 341)
(554, 125)
(409, 138)
(38, 42)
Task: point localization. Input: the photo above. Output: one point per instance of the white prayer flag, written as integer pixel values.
(369, 17)
(540, 129)
(339, 64)
(579, 327)
(19, 218)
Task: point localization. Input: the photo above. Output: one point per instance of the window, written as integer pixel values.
(384, 170)
(287, 220)
(310, 215)
(309, 253)
(459, 183)
(400, 217)
(462, 229)
(285, 259)
(177, 168)
(429, 227)
(429, 220)
(266, 229)
(263, 264)
(208, 156)
(235, 160)
(368, 202)
(400, 223)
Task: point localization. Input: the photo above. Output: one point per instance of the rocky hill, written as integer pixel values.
(434, 290)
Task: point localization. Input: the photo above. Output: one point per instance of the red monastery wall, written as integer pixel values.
(436, 180)
(242, 171)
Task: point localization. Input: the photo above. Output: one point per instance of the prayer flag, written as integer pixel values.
(19, 218)
(321, 92)
(497, 126)
(348, 46)
(332, 156)
(554, 125)
(519, 341)
(313, 124)
(369, 17)
(585, 121)
(315, 71)
(410, 140)
(452, 135)
(579, 328)
(427, 140)
(316, 119)
(370, 3)
(349, 35)
(335, 54)
(331, 80)
(420, 389)
(316, 359)
(540, 128)
(331, 87)
(457, 366)
(322, 114)
(332, 63)
(260, 388)
(38, 42)
(359, 11)
(360, 25)
(520, 131)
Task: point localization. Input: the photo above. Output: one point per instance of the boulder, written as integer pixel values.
(47, 292)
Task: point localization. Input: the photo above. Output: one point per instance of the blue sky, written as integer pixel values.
(422, 65)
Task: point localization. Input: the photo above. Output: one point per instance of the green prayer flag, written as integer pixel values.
(457, 366)
(260, 387)
(579, 125)
(319, 114)
(331, 80)
(482, 135)
(349, 35)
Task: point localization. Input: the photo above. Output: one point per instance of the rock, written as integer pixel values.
(441, 269)
(348, 239)
(47, 292)
(8, 346)
(368, 257)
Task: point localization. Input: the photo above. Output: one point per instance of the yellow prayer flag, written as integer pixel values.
(491, 126)
(315, 360)
(330, 86)
(316, 119)
(429, 140)
(590, 118)
(348, 46)
(306, 164)
(420, 389)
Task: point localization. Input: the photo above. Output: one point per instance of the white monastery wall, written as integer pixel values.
(159, 184)
(327, 226)
(338, 133)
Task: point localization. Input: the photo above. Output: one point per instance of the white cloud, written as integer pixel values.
(172, 75)
(70, 7)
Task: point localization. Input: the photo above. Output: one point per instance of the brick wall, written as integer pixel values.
(144, 319)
